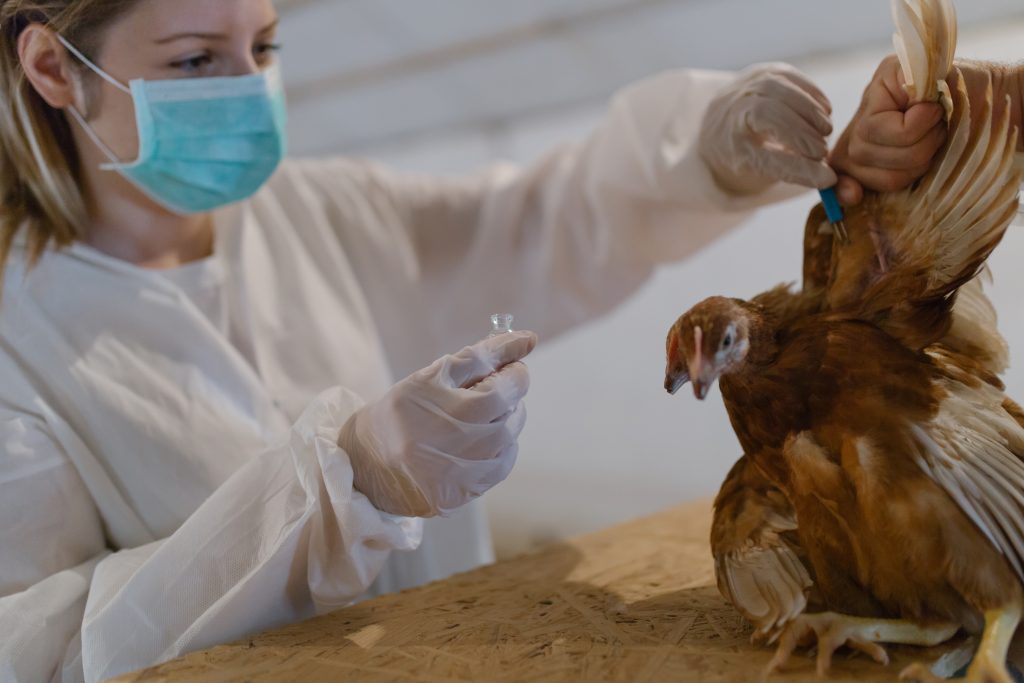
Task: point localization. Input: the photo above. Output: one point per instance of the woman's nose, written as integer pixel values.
(244, 64)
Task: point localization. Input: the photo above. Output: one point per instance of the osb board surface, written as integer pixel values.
(631, 603)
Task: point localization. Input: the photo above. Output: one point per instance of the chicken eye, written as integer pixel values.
(727, 342)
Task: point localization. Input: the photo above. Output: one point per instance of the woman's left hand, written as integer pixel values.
(446, 434)
(770, 125)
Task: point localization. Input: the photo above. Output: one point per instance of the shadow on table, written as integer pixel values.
(528, 619)
(548, 616)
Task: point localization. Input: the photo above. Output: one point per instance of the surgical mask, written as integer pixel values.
(203, 142)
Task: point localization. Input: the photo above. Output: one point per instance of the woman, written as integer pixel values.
(199, 432)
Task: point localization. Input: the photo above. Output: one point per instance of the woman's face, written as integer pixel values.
(164, 39)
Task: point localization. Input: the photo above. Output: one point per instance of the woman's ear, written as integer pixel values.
(48, 66)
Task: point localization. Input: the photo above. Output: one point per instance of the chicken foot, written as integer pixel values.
(989, 665)
(832, 631)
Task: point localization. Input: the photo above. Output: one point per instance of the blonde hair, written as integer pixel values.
(40, 190)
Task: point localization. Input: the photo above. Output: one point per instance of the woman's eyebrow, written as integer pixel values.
(210, 36)
(270, 27)
(180, 36)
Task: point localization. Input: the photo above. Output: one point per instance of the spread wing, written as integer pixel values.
(912, 250)
(973, 449)
(917, 247)
(757, 556)
(974, 331)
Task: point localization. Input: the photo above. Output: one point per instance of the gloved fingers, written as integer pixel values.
(509, 348)
(449, 471)
(483, 442)
(465, 481)
(511, 382)
(797, 78)
(503, 459)
(790, 130)
(503, 464)
(504, 431)
(473, 363)
(516, 422)
(802, 103)
(896, 128)
(795, 169)
(492, 397)
(488, 400)
(439, 429)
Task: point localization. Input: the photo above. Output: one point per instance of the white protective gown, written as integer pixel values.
(169, 477)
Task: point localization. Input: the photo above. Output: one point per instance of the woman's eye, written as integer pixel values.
(266, 50)
(193, 64)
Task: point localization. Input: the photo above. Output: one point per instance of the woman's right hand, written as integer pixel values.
(446, 434)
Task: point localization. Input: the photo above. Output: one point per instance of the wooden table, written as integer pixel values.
(633, 603)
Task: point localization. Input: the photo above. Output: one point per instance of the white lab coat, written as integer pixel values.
(169, 477)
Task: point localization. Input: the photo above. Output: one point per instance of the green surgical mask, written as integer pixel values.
(203, 142)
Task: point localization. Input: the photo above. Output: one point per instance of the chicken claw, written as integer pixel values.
(832, 631)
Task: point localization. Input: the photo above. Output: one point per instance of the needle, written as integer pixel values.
(835, 213)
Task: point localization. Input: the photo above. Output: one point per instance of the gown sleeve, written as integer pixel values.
(286, 537)
(556, 243)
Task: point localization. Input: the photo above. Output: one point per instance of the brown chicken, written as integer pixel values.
(759, 564)
(878, 439)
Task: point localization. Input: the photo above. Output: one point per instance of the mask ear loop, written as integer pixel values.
(77, 115)
(115, 163)
(89, 63)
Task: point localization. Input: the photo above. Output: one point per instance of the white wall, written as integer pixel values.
(363, 74)
(604, 442)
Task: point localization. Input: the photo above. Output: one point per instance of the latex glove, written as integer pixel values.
(889, 144)
(770, 125)
(446, 434)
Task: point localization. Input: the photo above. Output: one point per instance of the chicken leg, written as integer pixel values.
(989, 665)
(832, 631)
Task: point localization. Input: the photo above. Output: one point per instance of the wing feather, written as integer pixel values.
(757, 561)
(925, 43)
(913, 249)
(936, 235)
(973, 449)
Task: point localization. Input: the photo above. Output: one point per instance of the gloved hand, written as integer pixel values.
(446, 434)
(770, 125)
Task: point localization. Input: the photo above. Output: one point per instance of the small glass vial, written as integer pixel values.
(501, 323)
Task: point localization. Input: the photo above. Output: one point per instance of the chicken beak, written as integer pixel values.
(674, 381)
